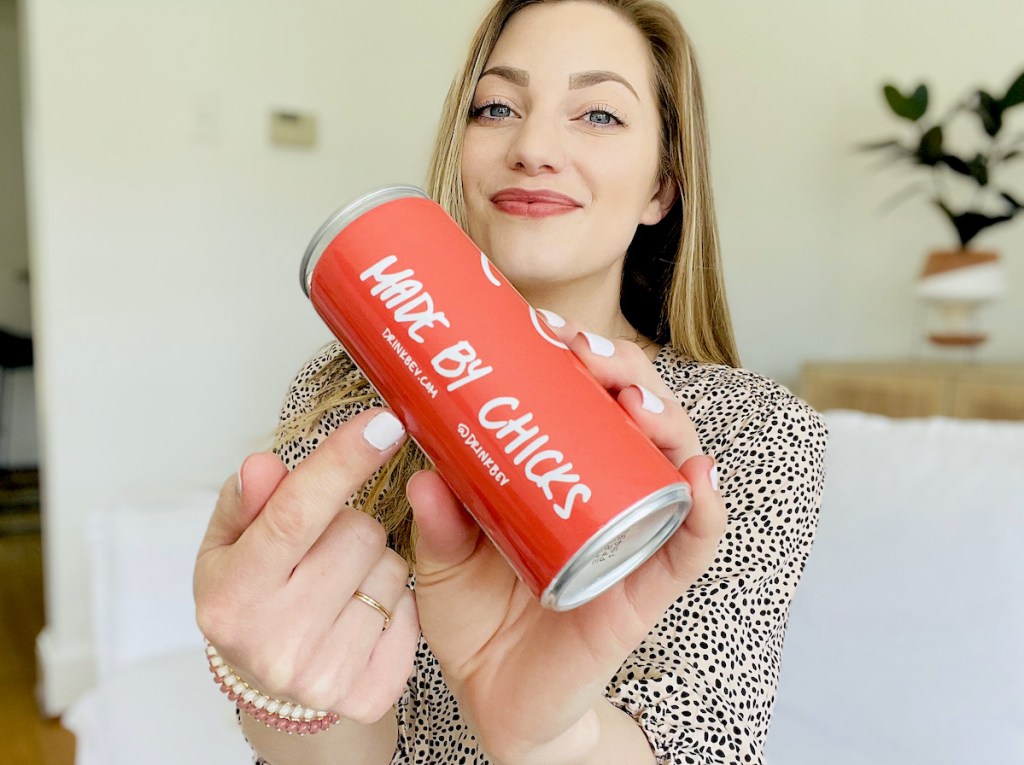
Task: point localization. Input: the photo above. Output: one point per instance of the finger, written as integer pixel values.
(242, 497)
(383, 679)
(617, 364)
(359, 626)
(447, 534)
(460, 577)
(663, 421)
(309, 497)
(562, 329)
(680, 561)
(351, 545)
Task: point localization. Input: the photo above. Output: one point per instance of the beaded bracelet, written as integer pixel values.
(283, 715)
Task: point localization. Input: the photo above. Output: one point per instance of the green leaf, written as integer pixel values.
(991, 112)
(930, 150)
(1016, 205)
(969, 224)
(976, 169)
(1015, 93)
(876, 145)
(910, 107)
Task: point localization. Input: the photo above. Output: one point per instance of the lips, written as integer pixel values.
(539, 203)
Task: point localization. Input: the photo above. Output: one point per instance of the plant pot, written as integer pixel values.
(954, 284)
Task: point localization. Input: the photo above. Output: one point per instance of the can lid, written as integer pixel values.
(341, 218)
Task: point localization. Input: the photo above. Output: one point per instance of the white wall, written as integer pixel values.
(814, 269)
(167, 231)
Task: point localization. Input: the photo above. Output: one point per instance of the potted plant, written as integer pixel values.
(957, 281)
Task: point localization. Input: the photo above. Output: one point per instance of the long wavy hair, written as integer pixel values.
(672, 286)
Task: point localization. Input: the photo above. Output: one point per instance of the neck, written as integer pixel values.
(594, 313)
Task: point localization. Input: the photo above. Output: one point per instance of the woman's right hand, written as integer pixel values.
(277, 569)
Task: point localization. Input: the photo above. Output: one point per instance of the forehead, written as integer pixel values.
(557, 39)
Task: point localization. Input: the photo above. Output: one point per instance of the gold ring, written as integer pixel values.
(375, 605)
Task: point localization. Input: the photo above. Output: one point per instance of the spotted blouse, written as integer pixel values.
(702, 684)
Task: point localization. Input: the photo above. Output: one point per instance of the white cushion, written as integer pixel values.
(906, 632)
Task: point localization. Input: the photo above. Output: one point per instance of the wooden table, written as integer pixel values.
(917, 389)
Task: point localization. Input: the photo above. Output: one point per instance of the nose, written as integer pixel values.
(536, 146)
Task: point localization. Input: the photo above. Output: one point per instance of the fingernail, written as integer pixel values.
(713, 477)
(383, 431)
(240, 468)
(600, 346)
(552, 318)
(650, 403)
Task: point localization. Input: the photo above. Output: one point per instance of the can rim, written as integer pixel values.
(344, 216)
(561, 595)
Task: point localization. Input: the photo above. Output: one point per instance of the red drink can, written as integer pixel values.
(554, 471)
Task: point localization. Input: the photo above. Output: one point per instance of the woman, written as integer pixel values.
(573, 151)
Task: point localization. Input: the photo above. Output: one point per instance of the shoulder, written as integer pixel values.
(313, 407)
(731, 407)
(309, 381)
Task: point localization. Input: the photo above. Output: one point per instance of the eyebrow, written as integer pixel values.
(578, 80)
(594, 76)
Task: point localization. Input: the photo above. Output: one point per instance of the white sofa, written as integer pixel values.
(904, 644)
(906, 635)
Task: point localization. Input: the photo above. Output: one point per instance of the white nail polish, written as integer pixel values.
(651, 403)
(600, 346)
(713, 477)
(383, 431)
(552, 318)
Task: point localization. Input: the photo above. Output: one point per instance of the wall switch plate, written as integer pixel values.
(292, 129)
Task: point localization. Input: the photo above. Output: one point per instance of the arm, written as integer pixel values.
(702, 685)
(347, 743)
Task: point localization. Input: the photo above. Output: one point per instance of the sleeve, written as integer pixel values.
(702, 685)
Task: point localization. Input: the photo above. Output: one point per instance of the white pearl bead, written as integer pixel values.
(273, 706)
(222, 671)
(297, 712)
(230, 681)
(211, 651)
(261, 701)
(309, 714)
(238, 688)
(285, 710)
(249, 695)
(216, 661)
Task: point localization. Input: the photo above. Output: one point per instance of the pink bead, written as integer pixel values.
(261, 714)
(232, 695)
(292, 726)
(303, 727)
(277, 722)
(224, 689)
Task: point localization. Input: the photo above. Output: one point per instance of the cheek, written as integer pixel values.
(476, 159)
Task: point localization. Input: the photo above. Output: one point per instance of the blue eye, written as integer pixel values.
(492, 112)
(497, 111)
(601, 117)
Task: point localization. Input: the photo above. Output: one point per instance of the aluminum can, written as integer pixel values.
(559, 477)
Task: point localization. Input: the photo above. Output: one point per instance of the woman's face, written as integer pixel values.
(560, 161)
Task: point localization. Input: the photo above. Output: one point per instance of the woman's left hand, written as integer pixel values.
(530, 681)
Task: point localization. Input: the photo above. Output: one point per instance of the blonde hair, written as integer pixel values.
(672, 288)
